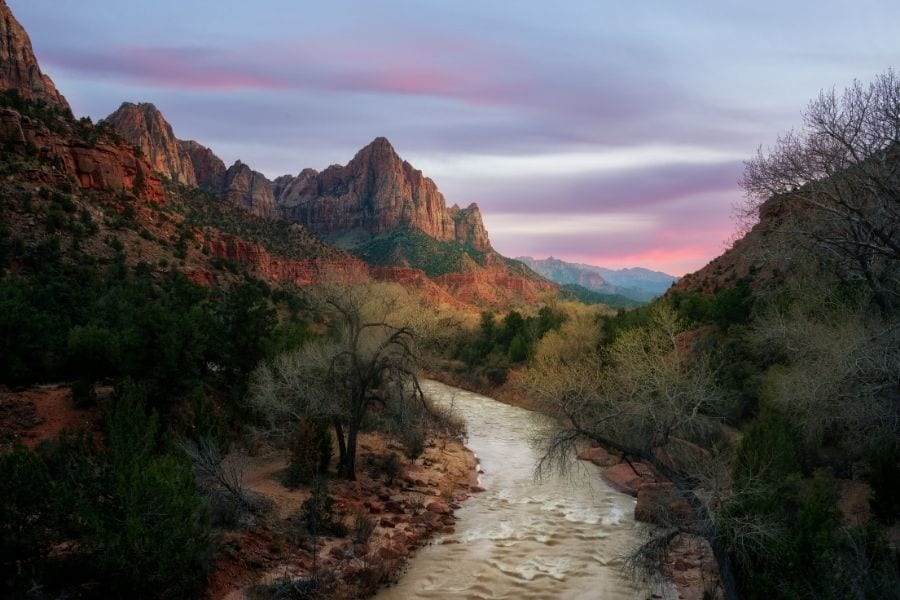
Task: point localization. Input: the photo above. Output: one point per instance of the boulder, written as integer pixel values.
(599, 456)
(628, 480)
(439, 508)
(662, 504)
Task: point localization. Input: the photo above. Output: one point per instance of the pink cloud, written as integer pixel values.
(431, 68)
(674, 261)
(182, 68)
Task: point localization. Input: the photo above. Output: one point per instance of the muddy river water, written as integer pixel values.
(560, 537)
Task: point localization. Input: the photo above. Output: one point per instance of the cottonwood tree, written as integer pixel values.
(839, 176)
(369, 362)
(643, 399)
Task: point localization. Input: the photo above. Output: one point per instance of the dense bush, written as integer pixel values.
(512, 340)
(317, 513)
(67, 320)
(131, 506)
(311, 450)
(726, 307)
(25, 531)
(787, 532)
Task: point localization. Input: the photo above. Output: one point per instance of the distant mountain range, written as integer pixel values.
(636, 284)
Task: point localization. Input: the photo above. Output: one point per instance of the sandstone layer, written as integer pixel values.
(100, 165)
(19, 69)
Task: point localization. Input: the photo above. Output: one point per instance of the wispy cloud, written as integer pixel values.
(597, 162)
(181, 68)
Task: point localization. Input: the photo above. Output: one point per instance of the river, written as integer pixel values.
(557, 538)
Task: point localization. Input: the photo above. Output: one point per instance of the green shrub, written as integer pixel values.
(83, 393)
(152, 536)
(387, 466)
(413, 440)
(317, 512)
(311, 450)
(363, 527)
(25, 530)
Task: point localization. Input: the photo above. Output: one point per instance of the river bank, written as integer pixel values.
(404, 511)
(406, 505)
(456, 374)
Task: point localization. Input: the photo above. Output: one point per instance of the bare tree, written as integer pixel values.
(371, 362)
(220, 474)
(846, 392)
(643, 399)
(840, 178)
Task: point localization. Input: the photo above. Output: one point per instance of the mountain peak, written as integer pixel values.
(19, 69)
(378, 152)
(377, 192)
(144, 107)
(381, 142)
(144, 126)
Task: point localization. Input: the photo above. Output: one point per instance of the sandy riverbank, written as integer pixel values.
(406, 512)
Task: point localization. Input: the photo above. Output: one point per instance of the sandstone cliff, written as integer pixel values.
(249, 189)
(19, 68)
(103, 164)
(190, 163)
(376, 192)
(143, 126)
(469, 226)
(209, 169)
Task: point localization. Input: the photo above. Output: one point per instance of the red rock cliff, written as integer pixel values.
(249, 189)
(469, 226)
(104, 165)
(143, 126)
(19, 69)
(377, 191)
(208, 168)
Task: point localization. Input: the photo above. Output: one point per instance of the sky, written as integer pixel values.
(599, 131)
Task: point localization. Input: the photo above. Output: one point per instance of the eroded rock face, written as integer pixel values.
(103, 166)
(376, 192)
(469, 226)
(209, 169)
(19, 69)
(143, 126)
(250, 189)
(495, 284)
(299, 272)
(291, 191)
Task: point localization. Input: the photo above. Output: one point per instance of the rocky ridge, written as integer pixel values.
(19, 69)
(376, 192)
(759, 255)
(104, 164)
(209, 170)
(249, 189)
(638, 284)
(144, 126)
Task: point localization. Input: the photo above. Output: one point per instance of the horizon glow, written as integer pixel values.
(592, 131)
